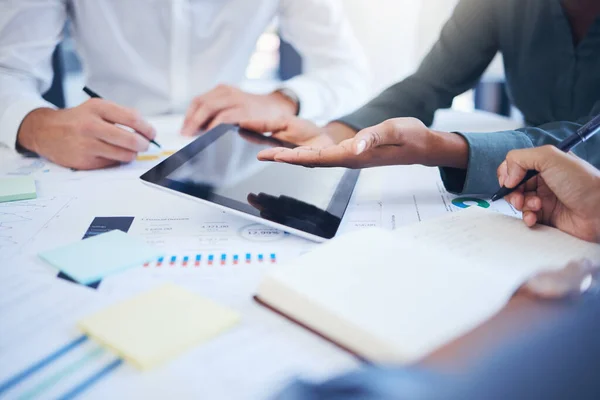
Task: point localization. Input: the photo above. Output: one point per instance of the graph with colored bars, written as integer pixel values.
(214, 259)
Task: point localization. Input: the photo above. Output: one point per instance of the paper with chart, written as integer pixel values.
(415, 193)
(59, 359)
(279, 352)
(22, 221)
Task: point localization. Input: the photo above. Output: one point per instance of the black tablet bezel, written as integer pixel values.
(325, 228)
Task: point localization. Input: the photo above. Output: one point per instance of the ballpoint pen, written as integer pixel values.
(95, 95)
(582, 134)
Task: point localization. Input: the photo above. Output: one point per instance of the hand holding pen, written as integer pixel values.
(95, 95)
(582, 134)
(87, 136)
(565, 193)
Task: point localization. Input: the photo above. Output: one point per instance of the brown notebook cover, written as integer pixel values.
(292, 319)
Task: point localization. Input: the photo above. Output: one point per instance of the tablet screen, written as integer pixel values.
(221, 167)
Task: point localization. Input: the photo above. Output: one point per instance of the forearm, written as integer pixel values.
(466, 46)
(445, 149)
(38, 120)
(14, 108)
(25, 59)
(412, 97)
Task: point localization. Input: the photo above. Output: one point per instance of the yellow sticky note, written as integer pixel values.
(158, 325)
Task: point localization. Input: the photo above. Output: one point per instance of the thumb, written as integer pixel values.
(518, 162)
(372, 137)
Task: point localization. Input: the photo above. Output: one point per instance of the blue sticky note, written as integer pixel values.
(92, 259)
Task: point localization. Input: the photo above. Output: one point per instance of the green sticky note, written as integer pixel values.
(92, 259)
(13, 189)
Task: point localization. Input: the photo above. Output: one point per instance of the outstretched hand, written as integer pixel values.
(396, 141)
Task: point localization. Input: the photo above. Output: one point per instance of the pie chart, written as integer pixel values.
(466, 202)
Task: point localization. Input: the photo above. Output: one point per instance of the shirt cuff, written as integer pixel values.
(308, 92)
(13, 116)
(486, 152)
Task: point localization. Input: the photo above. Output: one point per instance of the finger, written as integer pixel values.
(208, 107)
(532, 202)
(230, 116)
(530, 218)
(255, 202)
(517, 199)
(116, 114)
(191, 110)
(502, 173)
(334, 156)
(265, 126)
(114, 153)
(269, 154)
(203, 117)
(195, 105)
(378, 135)
(520, 161)
(119, 137)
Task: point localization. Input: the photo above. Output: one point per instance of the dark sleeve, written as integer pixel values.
(370, 384)
(488, 150)
(467, 45)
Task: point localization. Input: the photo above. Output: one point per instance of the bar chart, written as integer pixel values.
(212, 259)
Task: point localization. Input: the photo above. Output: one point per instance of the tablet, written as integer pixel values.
(220, 168)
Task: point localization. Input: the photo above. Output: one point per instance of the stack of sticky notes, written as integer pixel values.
(90, 260)
(156, 326)
(13, 189)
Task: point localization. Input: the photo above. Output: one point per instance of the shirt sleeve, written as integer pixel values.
(29, 33)
(371, 383)
(488, 150)
(467, 44)
(336, 77)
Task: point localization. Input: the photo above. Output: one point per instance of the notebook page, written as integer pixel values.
(397, 302)
(418, 288)
(497, 241)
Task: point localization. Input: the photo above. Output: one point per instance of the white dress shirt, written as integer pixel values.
(156, 55)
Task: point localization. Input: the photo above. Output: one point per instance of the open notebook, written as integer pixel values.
(397, 296)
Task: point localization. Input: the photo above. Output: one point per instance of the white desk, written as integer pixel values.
(251, 361)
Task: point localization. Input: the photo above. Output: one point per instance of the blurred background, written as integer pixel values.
(395, 35)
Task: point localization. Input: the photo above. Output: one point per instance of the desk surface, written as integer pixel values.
(267, 350)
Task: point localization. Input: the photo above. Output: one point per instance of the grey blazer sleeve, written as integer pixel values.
(488, 150)
(467, 44)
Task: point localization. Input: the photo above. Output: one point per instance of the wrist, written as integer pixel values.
(446, 149)
(289, 102)
(338, 132)
(30, 126)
